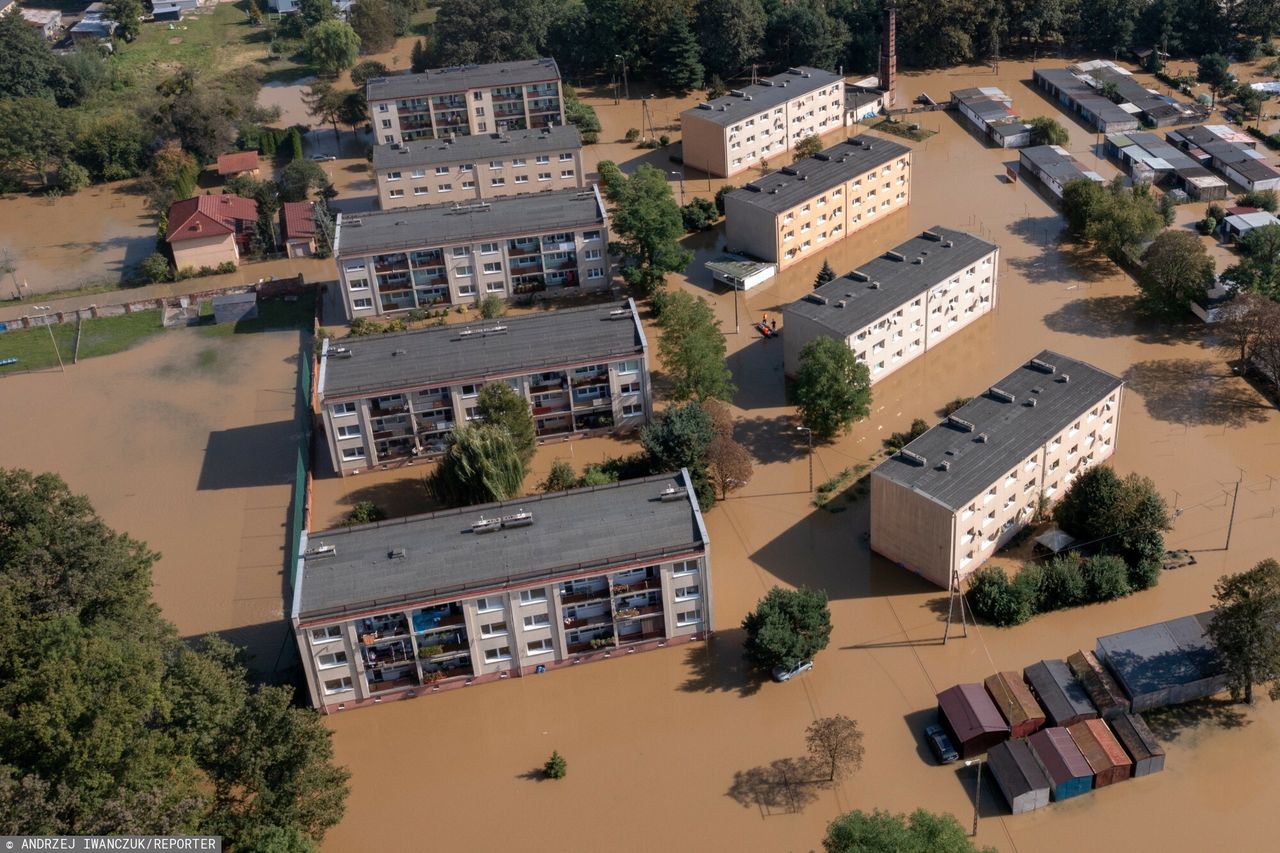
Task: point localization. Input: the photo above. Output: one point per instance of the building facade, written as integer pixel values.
(391, 398)
(787, 215)
(443, 255)
(398, 608)
(479, 167)
(948, 500)
(898, 306)
(466, 100)
(752, 125)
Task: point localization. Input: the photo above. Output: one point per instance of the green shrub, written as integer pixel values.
(1106, 578)
(361, 327)
(664, 140)
(154, 268)
(227, 267)
(994, 599)
(632, 134)
(699, 214)
(72, 177)
(720, 194)
(1207, 225)
(1028, 585)
(898, 440)
(956, 404)
(492, 307)
(556, 766)
(417, 315)
(1145, 574)
(365, 512)
(1061, 583)
(396, 325)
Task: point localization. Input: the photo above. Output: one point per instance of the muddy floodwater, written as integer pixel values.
(677, 749)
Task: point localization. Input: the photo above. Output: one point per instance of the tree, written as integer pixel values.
(1247, 320)
(581, 115)
(480, 31)
(154, 268)
(1106, 577)
(72, 177)
(786, 627)
(30, 68)
(332, 46)
(556, 766)
(501, 406)
(647, 225)
(1262, 199)
(1125, 517)
(365, 512)
(806, 148)
(825, 275)
(1115, 219)
(373, 22)
(728, 464)
(836, 743)
(480, 465)
(299, 178)
(1081, 201)
(127, 14)
(313, 12)
(419, 59)
(678, 64)
(993, 598)
(699, 214)
(804, 33)
(35, 136)
(112, 147)
(1215, 70)
(1176, 271)
(326, 103)
(560, 478)
(679, 438)
(832, 388)
(84, 74)
(731, 33)
(255, 14)
(491, 307)
(365, 71)
(720, 194)
(354, 110)
(1047, 131)
(1246, 629)
(692, 349)
(883, 832)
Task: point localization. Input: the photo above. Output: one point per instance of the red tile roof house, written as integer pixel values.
(238, 163)
(298, 228)
(210, 229)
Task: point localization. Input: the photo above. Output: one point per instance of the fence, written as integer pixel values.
(300, 504)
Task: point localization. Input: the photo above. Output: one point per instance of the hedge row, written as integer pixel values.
(1066, 580)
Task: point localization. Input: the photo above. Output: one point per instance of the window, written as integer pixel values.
(386, 124)
(443, 188)
(488, 605)
(461, 251)
(472, 413)
(629, 388)
(393, 176)
(530, 596)
(423, 190)
(590, 235)
(467, 167)
(332, 659)
(468, 185)
(628, 367)
(351, 453)
(349, 431)
(494, 629)
(566, 157)
(591, 254)
(495, 164)
(518, 161)
(362, 303)
(337, 685)
(498, 182)
(689, 617)
(522, 179)
(382, 108)
(685, 567)
(488, 248)
(595, 273)
(537, 620)
(479, 111)
(542, 159)
(499, 654)
(325, 634)
(540, 647)
(493, 266)
(493, 287)
(477, 96)
(396, 194)
(464, 271)
(344, 408)
(442, 170)
(686, 593)
(544, 176)
(566, 173)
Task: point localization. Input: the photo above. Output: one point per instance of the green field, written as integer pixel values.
(103, 336)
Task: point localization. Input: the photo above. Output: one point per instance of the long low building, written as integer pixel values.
(1147, 157)
(480, 167)
(944, 503)
(899, 305)
(1080, 89)
(1231, 152)
(1055, 167)
(389, 398)
(444, 255)
(397, 608)
(991, 111)
(1166, 663)
(787, 215)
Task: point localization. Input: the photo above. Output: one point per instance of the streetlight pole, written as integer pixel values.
(45, 314)
(7, 266)
(809, 433)
(977, 792)
(679, 177)
(626, 89)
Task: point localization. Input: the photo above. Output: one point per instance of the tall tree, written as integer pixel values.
(882, 832)
(832, 387)
(331, 47)
(647, 224)
(326, 103)
(680, 438)
(803, 33)
(806, 148)
(29, 69)
(1214, 70)
(299, 178)
(679, 67)
(1047, 131)
(692, 349)
(313, 12)
(728, 464)
(480, 31)
(835, 743)
(481, 465)
(127, 14)
(499, 405)
(355, 109)
(826, 274)
(419, 58)
(35, 136)
(1246, 321)
(374, 23)
(365, 71)
(787, 626)
(731, 33)
(1176, 271)
(1246, 629)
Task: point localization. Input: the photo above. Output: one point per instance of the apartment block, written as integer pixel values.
(787, 215)
(392, 398)
(465, 100)
(400, 608)
(731, 134)
(948, 500)
(442, 255)
(898, 306)
(478, 168)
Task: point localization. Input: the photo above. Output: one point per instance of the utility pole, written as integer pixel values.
(1232, 520)
(808, 432)
(977, 793)
(58, 352)
(6, 266)
(955, 594)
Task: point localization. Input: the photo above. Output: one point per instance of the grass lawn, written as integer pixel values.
(103, 336)
(273, 314)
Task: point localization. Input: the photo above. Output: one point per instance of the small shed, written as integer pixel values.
(1069, 774)
(1166, 663)
(1105, 693)
(1063, 698)
(1107, 759)
(235, 307)
(971, 718)
(1132, 733)
(1013, 699)
(238, 163)
(1019, 776)
(741, 273)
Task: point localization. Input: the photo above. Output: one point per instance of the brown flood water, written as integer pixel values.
(663, 736)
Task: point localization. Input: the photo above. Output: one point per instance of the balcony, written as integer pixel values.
(394, 684)
(558, 429)
(582, 597)
(431, 427)
(590, 646)
(601, 378)
(546, 386)
(377, 659)
(426, 622)
(552, 409)
(592, 401)
(382, 411)
(638, 612)
(516, 250)
(643, 637)
(637, 586)
(572, 623)
(429, 652)
(532, 284)
(401, 265)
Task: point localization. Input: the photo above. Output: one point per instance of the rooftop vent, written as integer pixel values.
(875, 285)
(919, 260)
(841, 304)
(619, 313)
(788, 170)
(815, 298)
(341, 352)
(523, 518)
(824, 158)
(931, 235)
(961, 423)
(944, 465)
(1043, 366)
(1002, 395)
(894, 256)
(397, 554)
(1031, 402)
(321, 550)
(351, 222)
(859, 275)
(395, 353)
(982, 438)
(1066, 377)
(913, 457)
(949, 244)
(670, 494)
(486, 525)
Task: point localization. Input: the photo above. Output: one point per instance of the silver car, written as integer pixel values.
(786, 673)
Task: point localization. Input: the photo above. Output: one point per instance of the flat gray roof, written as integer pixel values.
(1056, 162)
(478, 148)
(571, 532)
(784, 189)
(443, 224)
(445, 355)
(1081, 93)
(1155, 657)
(1247, 161)
(765, 95)
(944, 251)
(1013, 429)
(440, 81)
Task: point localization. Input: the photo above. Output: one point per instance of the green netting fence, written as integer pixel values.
(298, 506)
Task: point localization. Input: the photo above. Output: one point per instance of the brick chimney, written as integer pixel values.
(889, 54)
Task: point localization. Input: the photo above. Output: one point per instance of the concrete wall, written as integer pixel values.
(912, 530)
(702, 144)
(205, 251)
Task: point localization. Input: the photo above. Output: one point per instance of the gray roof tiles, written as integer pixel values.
(571, 532)
(444, 224)
(444, 355)
(1154, 657)
(765, 95)
(480, 148)
(440, 81)
(899, 280)
(1013, 430)
(1056, 162)
(784, 189)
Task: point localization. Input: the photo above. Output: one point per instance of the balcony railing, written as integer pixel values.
(638, 612)
(574, 622)
(631, 639)
(445, 622)
(385, 411)
(601, 378)
(555, 408)
(547, 386)
(637, 586)
(587, 646)
(386, 658)
(580, 597)
(560, 429)
(520, 250)
(382, 686)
